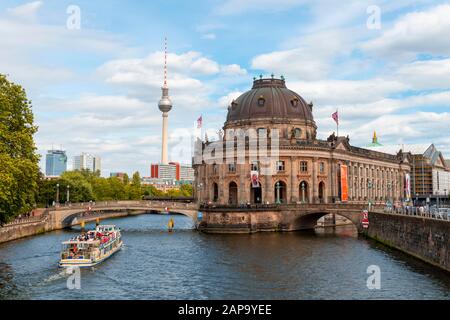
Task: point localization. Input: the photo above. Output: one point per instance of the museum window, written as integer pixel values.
(215, 169)
(261, 101)
(255, 166)
(280, 166)
(303, 166)
(298, 132)
(232, 167)
(322, 167)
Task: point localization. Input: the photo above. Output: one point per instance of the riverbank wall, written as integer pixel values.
(45, 224)
(424, 238)
(22, 230)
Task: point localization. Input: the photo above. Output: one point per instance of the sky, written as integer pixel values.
(94, 69)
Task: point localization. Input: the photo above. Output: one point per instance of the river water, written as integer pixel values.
(186, 264)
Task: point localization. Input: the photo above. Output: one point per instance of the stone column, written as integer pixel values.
(293, 180)
(221, 184)
(314, 193)
(330, 194)
(205, 187)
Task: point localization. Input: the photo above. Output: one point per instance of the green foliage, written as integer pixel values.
(86, 186)
(19, 170)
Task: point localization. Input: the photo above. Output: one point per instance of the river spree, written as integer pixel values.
(188, 265)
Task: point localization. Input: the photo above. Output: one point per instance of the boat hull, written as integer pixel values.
(87, 263)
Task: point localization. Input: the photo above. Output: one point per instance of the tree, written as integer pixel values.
(118, 190)
(19, 169)
(134, 189)
(80, 188)
(126, 179)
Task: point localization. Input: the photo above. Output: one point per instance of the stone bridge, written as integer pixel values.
(288, 217)
(67, 216)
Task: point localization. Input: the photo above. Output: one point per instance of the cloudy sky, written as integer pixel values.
(95, 88)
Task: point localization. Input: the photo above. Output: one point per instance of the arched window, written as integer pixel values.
(215, 192)
(233, 193)
(280, 192)
(256, 194)
(322, 192)
(304, 192)
(298, 132)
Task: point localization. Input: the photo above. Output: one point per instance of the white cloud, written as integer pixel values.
(434, 74)
(231, 7)
(309, 56)
(225, 101)
(209, 36)
(416, 32)
(346, 91)
(233, 69)
(26, 11)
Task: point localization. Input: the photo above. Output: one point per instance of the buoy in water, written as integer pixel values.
(171, 225)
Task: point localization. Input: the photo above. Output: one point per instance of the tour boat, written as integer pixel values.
(91, 248)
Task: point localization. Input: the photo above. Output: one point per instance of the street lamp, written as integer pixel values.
(68, 194)
(57, 195)
(278, 187)
(303, 192)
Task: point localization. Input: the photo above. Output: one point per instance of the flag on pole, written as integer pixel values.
(335, 117)
(199, 122)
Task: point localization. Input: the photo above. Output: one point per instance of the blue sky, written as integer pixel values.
(96, 89)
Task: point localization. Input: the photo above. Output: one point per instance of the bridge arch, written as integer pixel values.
(309, 220)
(69, 216)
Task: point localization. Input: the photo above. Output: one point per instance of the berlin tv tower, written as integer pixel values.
(165, 105)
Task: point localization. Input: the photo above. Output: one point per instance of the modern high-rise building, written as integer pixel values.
(55, 163)
(172, 171)
(86, 161)
(165, 105)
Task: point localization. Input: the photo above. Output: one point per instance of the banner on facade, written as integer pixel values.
(255, 179)
(407, 187)
(344, 184)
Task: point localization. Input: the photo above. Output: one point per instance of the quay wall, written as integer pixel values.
(46, 224)
(424, 238)
(17, 231)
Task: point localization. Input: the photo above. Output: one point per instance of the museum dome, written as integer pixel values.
(270, 99)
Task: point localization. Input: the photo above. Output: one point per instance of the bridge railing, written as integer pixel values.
(126, 204)
(282, 206)
(27, 220)
(431, 213)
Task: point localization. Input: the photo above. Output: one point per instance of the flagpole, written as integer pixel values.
(337, 122)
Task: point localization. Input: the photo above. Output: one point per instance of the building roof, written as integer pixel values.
(394, 149)
(447, 163)
(270, 99)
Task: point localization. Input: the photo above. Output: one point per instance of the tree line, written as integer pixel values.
(85, 186)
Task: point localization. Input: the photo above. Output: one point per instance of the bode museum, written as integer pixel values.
(238, 189)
